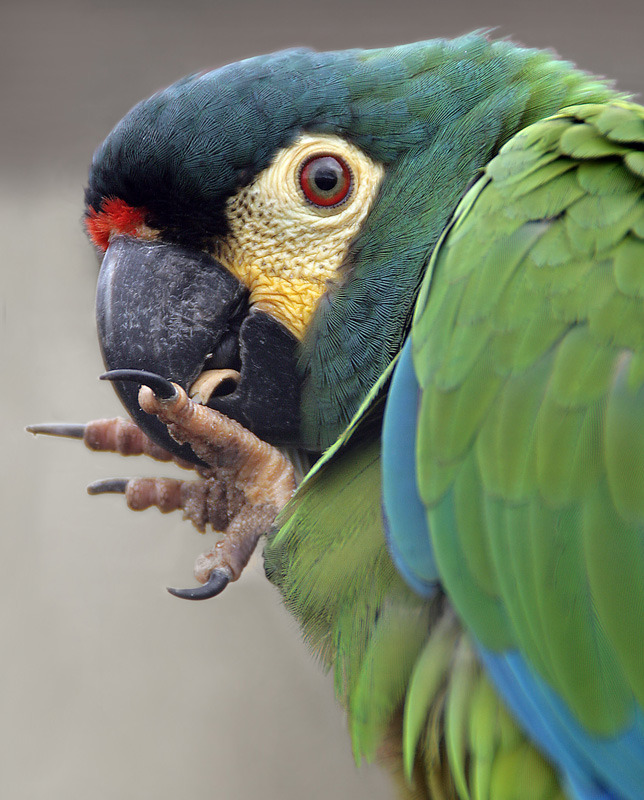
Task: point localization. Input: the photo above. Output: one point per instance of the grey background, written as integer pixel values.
(109, 687)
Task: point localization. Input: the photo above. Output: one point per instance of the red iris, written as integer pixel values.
(325, 180)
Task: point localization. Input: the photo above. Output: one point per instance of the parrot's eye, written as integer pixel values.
(325, 180)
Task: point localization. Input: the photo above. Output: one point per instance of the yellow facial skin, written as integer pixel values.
(286, 250)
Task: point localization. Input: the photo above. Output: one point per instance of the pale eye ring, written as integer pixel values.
(325, 180)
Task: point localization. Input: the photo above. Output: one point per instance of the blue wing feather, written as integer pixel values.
(403, 512)
(597, 768)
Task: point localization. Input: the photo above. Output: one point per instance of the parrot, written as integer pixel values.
(388, 306)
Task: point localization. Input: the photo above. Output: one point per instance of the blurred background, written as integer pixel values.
(109, 687)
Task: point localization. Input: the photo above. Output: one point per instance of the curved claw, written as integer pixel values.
(215, 584)
(161, 386)
(108, 486)
(66, 429)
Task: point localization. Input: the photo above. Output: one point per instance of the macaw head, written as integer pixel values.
(264, 227)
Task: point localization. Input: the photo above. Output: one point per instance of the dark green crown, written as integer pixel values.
(183, 151)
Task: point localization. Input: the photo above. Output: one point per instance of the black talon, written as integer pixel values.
(215, 584)
(162, 387)
(108, 486)
(66, 429)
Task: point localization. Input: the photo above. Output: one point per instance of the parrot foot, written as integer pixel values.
(232, 453)
(244, 486)
(204, 502)
(110, 436)
(226, 561)
(256, 479)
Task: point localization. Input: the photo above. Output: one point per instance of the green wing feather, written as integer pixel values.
(528, 347)
(404, 669)
(531, 453)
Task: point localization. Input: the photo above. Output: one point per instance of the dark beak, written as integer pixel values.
(175, 311)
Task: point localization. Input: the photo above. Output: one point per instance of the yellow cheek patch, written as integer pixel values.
(291, 300)
(286, 250)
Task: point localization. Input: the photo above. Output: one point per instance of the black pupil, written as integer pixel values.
(327, 174)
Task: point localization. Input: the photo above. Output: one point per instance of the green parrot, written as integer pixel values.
(410, 283)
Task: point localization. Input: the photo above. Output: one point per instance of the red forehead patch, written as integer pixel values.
(115, 216)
